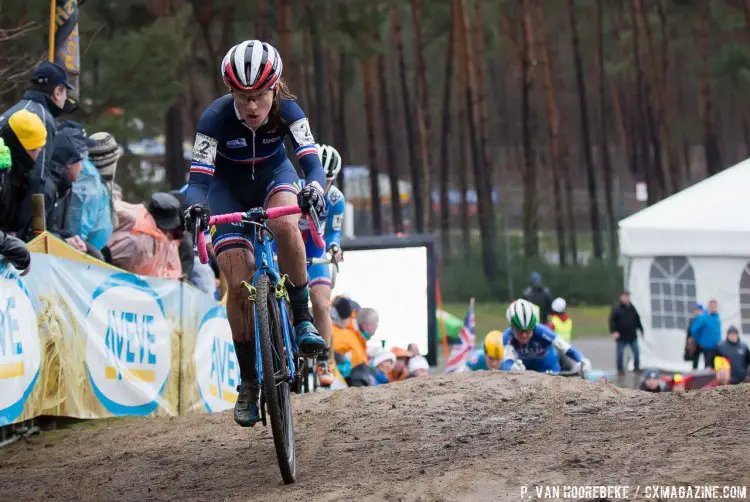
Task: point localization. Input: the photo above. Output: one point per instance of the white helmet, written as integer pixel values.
(251, 66)
(558, 305)
(330, 159)
(521, 315)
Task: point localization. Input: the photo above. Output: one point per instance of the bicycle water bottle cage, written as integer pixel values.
(251, 289)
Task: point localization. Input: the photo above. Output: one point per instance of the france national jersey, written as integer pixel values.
(236, 168)
(539, 354)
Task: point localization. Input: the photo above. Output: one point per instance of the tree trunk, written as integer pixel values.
(343, 146)
(262, 21)
(445, 217)
(322, 113)
(369, 96)
(711, 142)
(604, 146)
(481, 155)
(310, 103)
(666, 117)
(285, 42)
(586, 137)
(530, 183)
(463, 176)
(424, 125)
(415, 153)
(640, 121)
(553, 128)
(390, 148)
(174, 161)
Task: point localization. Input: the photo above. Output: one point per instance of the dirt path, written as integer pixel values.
(461, 437)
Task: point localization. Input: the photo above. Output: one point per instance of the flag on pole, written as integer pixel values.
(64, 42)
(465, 346)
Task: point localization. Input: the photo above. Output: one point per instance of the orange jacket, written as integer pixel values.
(348, 341)
(140, 247)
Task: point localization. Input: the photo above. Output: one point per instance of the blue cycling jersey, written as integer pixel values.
(539, 354)
(333, 224)
(477, 361)
(227, 149)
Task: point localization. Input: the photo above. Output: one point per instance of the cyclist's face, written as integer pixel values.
(523, 336)
(253, 107)
(493, 363)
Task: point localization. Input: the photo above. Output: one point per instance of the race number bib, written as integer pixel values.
(204, 149)
(301, 132)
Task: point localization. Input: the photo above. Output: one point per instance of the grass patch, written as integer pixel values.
(588, 322)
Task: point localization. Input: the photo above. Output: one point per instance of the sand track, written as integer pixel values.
(459, 437)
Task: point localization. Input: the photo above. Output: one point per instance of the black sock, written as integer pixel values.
(298, 297)
(245, 357)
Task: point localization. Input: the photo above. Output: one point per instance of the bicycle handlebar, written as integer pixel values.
(268, 214)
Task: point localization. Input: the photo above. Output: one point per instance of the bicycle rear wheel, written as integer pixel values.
(275, 378)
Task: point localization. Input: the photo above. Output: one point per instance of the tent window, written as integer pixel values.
(672, 282)
(745, 299)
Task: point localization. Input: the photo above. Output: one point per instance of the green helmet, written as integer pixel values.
(521, 315)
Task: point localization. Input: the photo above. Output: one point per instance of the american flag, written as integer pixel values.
(463, 349)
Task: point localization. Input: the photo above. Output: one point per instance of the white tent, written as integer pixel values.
(690, 247)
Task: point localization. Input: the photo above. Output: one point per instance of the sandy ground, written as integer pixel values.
(470, 437)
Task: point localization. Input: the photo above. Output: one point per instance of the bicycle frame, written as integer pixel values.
(266, 265)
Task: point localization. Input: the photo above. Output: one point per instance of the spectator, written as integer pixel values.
(692, 351)
(737, 353)
(383, 363)
(25, 136)
(419, 367)
(400, 369)
(146, 240)
(540, 296)
(652, 383)
(352, 340)
(412, 349)
(723, 369)
(706, 330)
(624, 324)
(105, 154)
(66, 164)
(47, 98)
(88, 209)
(560, 322)
(13, 250)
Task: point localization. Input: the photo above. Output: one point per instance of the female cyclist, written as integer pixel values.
(240, 162)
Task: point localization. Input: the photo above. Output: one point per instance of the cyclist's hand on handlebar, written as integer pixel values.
(336, 252)
(310, 199)
(197, 213)
(586, 365)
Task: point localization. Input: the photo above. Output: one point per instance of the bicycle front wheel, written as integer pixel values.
(275, 378)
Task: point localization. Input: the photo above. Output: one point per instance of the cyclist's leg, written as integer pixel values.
(282, 191)
(320, 293)
(233, 250)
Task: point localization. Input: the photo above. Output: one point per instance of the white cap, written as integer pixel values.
(373, 348)
(558, 305)
(383, 356)
(418, 363)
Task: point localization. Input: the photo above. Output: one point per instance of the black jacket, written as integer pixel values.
(739, 357)
(41, 105)
(539, 296)
(14, 251)
(625, 320)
